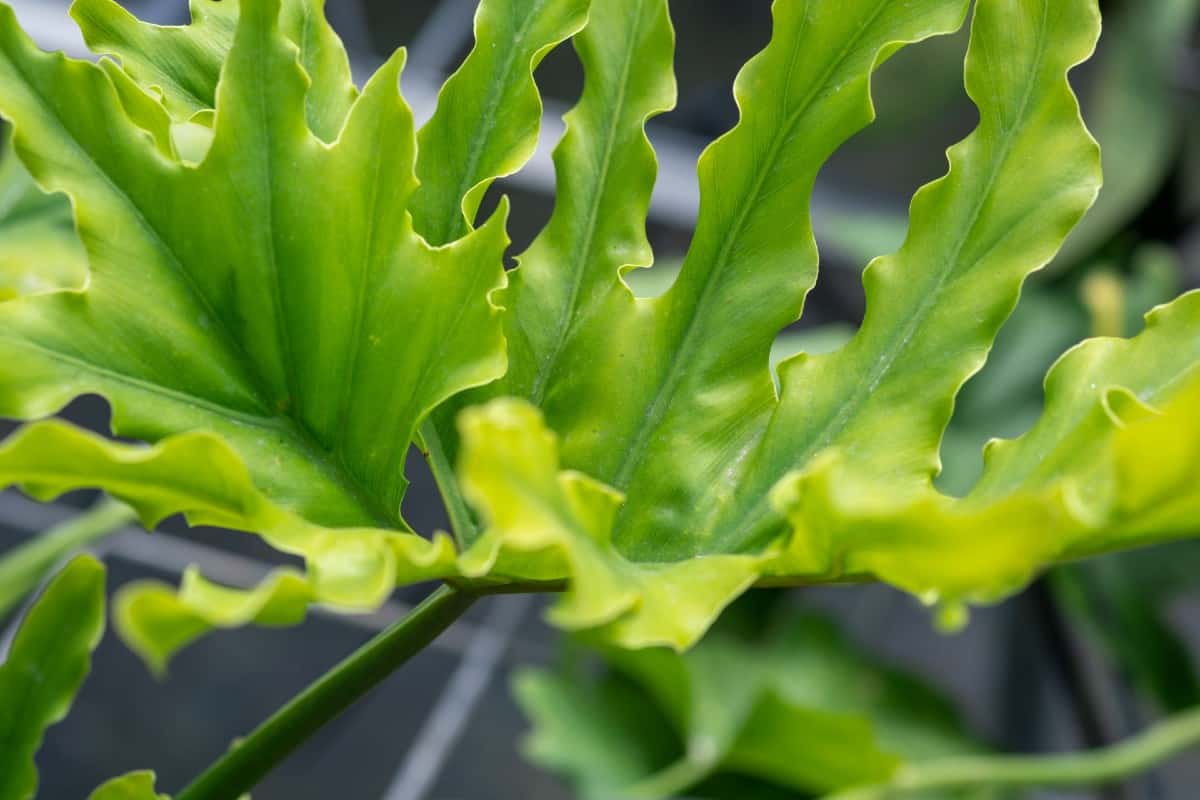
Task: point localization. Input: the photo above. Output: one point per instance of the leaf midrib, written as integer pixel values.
(456, 221)
(682, 361)
(582, 255)
(848, 409)
(350, 374)
(896, 345)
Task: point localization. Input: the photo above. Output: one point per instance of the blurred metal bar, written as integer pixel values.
(446, 722)
(162, 12)
(49, 25)
(350, 21)
(446, 32)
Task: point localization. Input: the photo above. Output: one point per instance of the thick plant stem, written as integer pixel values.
(253, 757)
(1105, 765)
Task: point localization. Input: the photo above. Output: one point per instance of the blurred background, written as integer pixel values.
(1088, 655)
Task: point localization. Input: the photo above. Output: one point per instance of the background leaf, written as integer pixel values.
(49, 659)
(776, 697)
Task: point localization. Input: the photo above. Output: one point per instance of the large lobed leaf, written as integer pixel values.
(264, 310)
(284, 329)
(670, 401)
(307, 344)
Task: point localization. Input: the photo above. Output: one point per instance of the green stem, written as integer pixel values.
(461, 520)
(22, 569)
(253, 757)
(1104, 765)
(673, 780)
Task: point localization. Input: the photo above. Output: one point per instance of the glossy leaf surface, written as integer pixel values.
(39, 251)
(183, 63)
(488, 112)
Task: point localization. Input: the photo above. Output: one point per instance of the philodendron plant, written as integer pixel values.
(287, 286)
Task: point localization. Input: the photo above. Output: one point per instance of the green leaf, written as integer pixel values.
(690, 432)
(49, 659)
(1081, 472)
(488, 112)
(280, 338)
(603, 735)
(665, 398)
(182, 63)
(197, 474)
(1015, 188)
(39, 251)
(605, 169)
(1100, 392)
(157, 620)
(134, 786)
(24, 567)
(1005, 398)
(790, 704)
(543, 523)
(1133, 108)
(261, 303)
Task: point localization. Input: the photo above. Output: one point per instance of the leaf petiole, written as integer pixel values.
(1135, 755)
(461, 521)
(251, 758)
